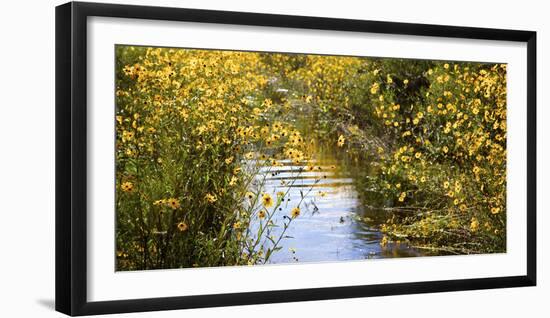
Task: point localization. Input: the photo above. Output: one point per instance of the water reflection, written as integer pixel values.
(335, 223)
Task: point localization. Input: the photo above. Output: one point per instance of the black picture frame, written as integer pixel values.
(71, 157)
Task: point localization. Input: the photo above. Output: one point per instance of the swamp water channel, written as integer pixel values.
(336, 223)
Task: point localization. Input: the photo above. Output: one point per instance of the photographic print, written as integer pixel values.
(355, 158)
(227, 158)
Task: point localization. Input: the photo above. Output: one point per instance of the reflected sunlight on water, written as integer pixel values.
(334, 224)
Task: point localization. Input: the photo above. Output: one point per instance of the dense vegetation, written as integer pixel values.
(196, 129)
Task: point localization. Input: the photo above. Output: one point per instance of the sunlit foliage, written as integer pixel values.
(437, 134)
(195, 129)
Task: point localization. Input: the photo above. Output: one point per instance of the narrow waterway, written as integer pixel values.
(336, 223)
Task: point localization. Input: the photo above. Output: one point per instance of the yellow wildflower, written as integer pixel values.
(173, 203)
(267, 200)
(474, 224)
(374, 88)
(211, 198)
(295, 212)
(127, 186)
(261, 214)
(159, 202)
(402, 196)
(341, 141)
(182, 226)
(249, 155)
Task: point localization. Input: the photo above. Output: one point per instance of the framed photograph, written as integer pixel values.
(208, 158)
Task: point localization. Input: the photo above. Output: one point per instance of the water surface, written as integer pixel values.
(334, 224)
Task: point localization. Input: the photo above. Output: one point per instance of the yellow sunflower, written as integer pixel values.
(182, 226)
(267, 200)
(295, 212)
(127, 186)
